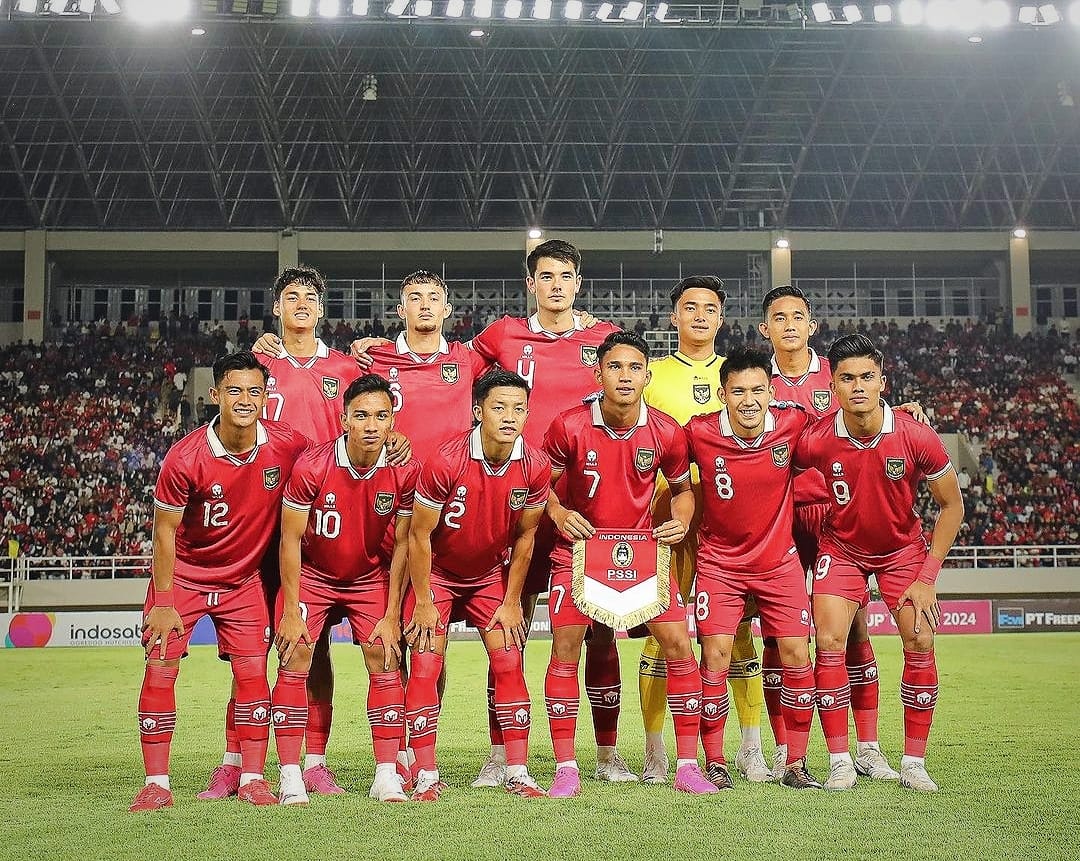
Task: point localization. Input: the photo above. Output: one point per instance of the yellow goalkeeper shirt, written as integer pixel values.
(683, 388)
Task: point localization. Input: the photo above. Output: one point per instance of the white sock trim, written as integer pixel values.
(313, 759)
(233, 759)
(161, 780)
(570, 763)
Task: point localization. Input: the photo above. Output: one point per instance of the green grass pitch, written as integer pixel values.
(1005, 749)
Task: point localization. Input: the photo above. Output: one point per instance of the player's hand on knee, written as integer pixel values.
(923, 599)
(398, 449)
(268, 344)
(291, 631)
(157, 626)
(388, 631)
(359, 348)
(512, 620)
(670, 532)
(420, 631)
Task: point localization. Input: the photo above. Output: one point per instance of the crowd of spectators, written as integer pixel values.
(87, 417)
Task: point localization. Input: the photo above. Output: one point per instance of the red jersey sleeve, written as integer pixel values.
(557, 443)
(302, 488)
(539, 481)
(486, 344)
(173, 487)
(675, 458)
(480, 364)
(410, 475)
(931, 456)
(435, 484)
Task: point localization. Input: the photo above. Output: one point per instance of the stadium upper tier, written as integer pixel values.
(86, 420)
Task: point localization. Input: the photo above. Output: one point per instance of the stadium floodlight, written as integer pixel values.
(1049, 13)
(821, 12)
(852, 13)
(512, 9)
(329, 8)
(997, 14)
(975, 39)
(572, 12)
(660, 13)
(883, 13)
(783, 243)
(422, 8)
(482, 9)
(604, 12)
(198, 31)
(911, 13)
(300, 8)
(535, 233)
(477, 33)
(541, 10)
(1020, 233)
(455, 8)
(397, 7)
(360, 7)
(1027, 15)
(632, 10)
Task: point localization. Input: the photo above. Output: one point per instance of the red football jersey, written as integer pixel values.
(747, 490)
(433, 394)
(873, 483)
(480, 505)
(308, 395)
(559, 368)
(812, 392)
(350, 512)
(231, 505)
(610, 475)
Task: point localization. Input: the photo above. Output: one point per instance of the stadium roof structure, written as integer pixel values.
(263, 121)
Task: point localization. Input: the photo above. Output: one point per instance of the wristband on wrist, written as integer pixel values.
(164, 598)
(930, 569)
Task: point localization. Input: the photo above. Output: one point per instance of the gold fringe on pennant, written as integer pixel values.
(629, 620)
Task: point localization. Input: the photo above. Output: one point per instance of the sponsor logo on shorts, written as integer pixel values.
(588, 356)
(384, 503)
(895, 467)
(644, 459)
(330, 387)
(622, 554)
(781, 454)
(271, 477)
(450, 372)
(822, 399)
(702, 393)
(518, 495)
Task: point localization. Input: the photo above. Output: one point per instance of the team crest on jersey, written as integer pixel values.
(330, 387)
(588, 356)
(781, 454)
(644, 458)
(450, 373)
(622, 554)
(895, 467)
(822, 399)
(271, 477)
(517, 497)
(384, 503)
(702, 393)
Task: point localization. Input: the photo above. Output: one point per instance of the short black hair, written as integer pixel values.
(424, 276)
(745, 358)
(556, 249)
(306, 276)
(494, 379)
(243, 360)
(698, 282)
(780, 293)
(628, 338)
(854, 346)
(365, 385)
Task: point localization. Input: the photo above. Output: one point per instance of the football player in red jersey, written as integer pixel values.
(746, 550)
(605, 457)
(339, 503)
(873, 459)
(215, 517)
(480, 494)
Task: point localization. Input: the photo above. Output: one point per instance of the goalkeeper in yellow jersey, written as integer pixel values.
(684, 385)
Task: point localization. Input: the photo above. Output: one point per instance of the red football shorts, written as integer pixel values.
(476, 602)
(539, 574)
(239, 615)
(782, 602)
(564, 612)
(323, 603)
(837, 574)
(806, 530)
